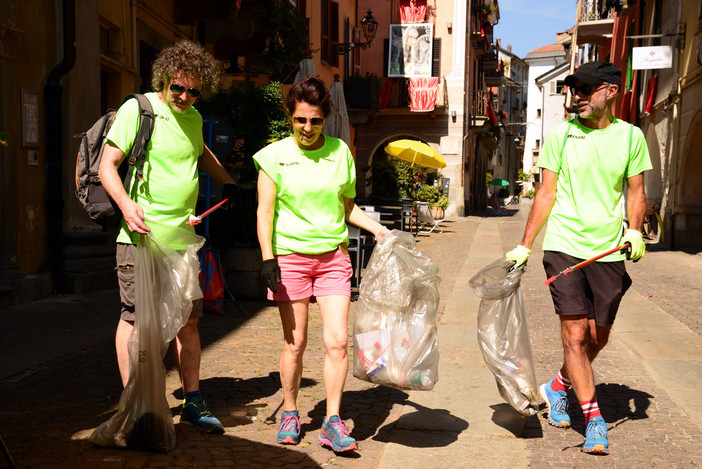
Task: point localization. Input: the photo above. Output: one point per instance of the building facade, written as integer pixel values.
(663, 98)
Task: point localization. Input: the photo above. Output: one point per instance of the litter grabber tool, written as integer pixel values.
(623, 248)
(196, 220)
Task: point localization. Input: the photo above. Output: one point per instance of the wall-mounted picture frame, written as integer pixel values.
(30, 117)
(411, 47)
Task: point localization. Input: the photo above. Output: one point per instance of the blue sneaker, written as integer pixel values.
(289, 433)
(596, 437)
(557, 404)
(196, 413)
(335, 434)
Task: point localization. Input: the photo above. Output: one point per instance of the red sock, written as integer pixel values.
(590, 409)
(560, 383)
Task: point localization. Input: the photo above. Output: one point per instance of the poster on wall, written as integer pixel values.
(30, 117)
(411, 47)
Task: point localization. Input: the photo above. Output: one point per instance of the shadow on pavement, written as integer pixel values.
(506, 417)
(621, 403)
(423, 428)
(494, 213)
(236, 398)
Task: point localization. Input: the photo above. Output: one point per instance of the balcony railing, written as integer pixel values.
(595, 10)
(362, 93)
(479, 104)
(595, 22)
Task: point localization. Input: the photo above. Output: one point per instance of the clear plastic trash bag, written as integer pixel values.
(166, 275)
(503, 335)
(394, 335)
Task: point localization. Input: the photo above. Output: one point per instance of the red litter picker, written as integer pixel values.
(623, 248)
(196, 220)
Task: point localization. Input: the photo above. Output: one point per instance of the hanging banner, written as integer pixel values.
(410, 50)
(654, 57)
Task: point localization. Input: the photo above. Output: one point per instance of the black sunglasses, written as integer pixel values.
(315, 121)
(584, 89)
(178, 89)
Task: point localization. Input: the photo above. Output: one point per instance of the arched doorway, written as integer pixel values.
(378, 153)
(688, 210)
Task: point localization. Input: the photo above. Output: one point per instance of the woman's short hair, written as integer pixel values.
(190, 59)
(311, 91)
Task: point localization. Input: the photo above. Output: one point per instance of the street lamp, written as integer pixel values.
(369, 27)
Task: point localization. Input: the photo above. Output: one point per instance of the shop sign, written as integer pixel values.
(654, 57)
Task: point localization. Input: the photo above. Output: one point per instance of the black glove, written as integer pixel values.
(231, 191)
(270, 272)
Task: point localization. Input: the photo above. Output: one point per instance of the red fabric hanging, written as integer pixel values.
(423, 92)
(490, 110)
(385, 92)
(651, 92)
(626, 106)
(413, 11)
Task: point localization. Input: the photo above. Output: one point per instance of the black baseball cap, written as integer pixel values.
(595, 73)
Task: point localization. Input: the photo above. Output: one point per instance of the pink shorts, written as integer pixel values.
(307, 275)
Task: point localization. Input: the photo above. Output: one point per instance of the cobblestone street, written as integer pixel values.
(57, 402)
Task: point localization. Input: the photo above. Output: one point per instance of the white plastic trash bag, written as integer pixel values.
(503, 335)
(166, 275)
(394, 335)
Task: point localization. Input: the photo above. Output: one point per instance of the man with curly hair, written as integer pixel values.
(166, 195)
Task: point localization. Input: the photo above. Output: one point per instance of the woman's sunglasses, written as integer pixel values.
(178, 89)
(315, 121)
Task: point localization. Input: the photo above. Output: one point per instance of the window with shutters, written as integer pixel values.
(436, 58)
(329, 51)
(657, 21)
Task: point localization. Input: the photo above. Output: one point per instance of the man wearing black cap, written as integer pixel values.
(585, 165)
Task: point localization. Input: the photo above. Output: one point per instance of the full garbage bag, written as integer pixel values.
(394, 335)
(167, 281)
(503, 335)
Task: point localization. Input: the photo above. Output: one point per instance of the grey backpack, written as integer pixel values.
(89, 190)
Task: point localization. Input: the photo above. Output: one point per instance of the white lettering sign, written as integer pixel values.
(644, 58)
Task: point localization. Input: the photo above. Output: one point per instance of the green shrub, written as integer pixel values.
(432, 195)
(258, 117)
(530, 193)
(442, 203)
(393, 177)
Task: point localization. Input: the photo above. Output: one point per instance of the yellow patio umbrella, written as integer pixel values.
(416, 152)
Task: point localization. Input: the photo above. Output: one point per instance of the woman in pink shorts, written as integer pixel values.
(306, 186)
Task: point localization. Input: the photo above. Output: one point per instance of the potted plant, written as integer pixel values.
(438, 211)
(437, 202)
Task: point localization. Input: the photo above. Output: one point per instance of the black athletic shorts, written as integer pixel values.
(594, 290)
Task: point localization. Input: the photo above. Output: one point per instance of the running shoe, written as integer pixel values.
(196, 413)
(335, 434)
(289, 432)
(596, 437)
(557, 404)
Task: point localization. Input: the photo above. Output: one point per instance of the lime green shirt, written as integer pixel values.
(592, 167)
(169, 191)
(311, 185)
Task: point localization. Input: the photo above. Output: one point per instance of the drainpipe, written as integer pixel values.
(54, 145)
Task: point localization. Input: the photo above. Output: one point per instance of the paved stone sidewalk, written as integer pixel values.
(57, 403)
(646, 427)
(59, 380)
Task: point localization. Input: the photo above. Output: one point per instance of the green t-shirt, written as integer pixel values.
(309, 206)
(169, 191)
(592, 167)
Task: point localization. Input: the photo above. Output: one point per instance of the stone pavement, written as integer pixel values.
(59, 379)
